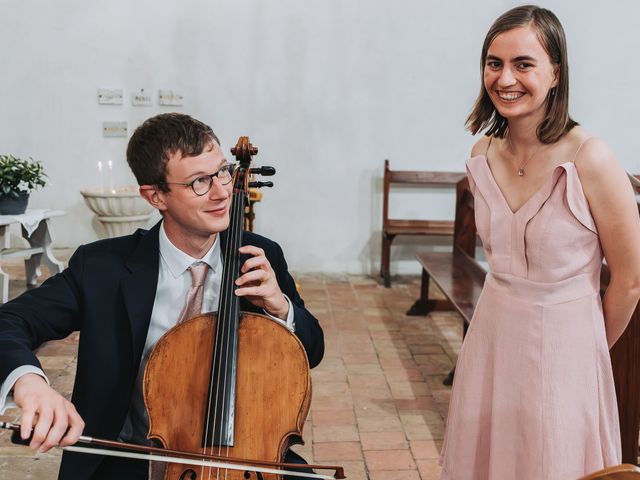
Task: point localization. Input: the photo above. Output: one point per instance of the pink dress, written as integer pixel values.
(533, 396)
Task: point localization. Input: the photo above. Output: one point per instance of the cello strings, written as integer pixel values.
(222, 314)
(224, 311)
(242, 193)
(235, 254)
(228, 312)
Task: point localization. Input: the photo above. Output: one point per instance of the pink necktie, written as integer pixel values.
(193, 305)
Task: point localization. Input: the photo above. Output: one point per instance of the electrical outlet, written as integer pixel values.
(170, 98)
(108, 96)
(114, 129)
(141, 98)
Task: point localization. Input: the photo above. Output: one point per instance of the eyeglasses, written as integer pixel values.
(202, 185)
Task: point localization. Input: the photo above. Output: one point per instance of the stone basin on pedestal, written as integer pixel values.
(121, 210)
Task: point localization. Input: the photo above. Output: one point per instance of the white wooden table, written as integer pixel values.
(39, 250)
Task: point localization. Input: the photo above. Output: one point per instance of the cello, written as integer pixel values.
(230, 384)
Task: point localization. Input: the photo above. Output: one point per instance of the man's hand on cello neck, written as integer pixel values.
(259, 285)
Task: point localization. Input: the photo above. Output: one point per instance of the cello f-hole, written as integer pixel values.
(188, 474)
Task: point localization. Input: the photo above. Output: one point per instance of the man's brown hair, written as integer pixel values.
(161, 136)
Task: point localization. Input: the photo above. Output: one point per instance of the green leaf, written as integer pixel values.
(18, 175)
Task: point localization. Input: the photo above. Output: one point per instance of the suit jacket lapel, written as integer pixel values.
(139, 288)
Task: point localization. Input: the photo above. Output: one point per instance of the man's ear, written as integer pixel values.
(154, 196)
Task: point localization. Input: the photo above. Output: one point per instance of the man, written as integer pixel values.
(122, 294)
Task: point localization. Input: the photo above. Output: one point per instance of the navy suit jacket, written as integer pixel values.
(107, 293)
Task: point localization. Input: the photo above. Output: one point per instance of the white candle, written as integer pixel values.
(110, 164)
(101, 173)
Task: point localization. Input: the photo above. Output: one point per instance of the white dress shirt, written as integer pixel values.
(174, 281)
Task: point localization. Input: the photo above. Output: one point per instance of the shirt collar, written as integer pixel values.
(177, 261)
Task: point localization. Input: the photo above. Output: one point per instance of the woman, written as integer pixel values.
(533, 396)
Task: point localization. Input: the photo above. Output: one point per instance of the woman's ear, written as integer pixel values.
(556, 75)
(154, 196)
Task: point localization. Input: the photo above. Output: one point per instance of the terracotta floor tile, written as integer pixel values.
(354, 470)
(364, 368)
(441, 396)
(54, 362)
(423, 417)
(394, 475)
(320, 376)
(379, 424)
(332, 403)
(429, 469)
(409, 390)
(434, 364)
(371, 392)
(336, 451)
(389, 460)
(333, 417)
(359, 358)
(367, 380)
(420, 403)
(377, 331)
(401, 373)
(431, 431)
(374, 407)
(425, 449)
(383, 440)
(330, 389)
(426, 349)
(335, 433)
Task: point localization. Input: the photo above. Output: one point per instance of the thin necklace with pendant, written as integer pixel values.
(521, 169)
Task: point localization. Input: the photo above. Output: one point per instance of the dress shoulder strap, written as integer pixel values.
(575, 155)
(488, 146)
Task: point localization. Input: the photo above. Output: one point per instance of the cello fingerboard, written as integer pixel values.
(220, 414)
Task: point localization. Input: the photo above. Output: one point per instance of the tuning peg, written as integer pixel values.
(260, 184)
(264, 171)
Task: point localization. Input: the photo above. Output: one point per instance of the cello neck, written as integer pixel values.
(219, 426)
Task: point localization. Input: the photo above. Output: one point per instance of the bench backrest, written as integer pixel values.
(413, 177)
(464, 232)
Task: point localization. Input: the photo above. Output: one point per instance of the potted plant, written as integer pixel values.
(18, 177)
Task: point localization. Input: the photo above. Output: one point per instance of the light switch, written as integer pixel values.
(107, 96)
(114, 129)
(170, 98)
(141, 98)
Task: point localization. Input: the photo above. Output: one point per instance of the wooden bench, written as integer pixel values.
(626, 371)
(460, 279)
(456, 273)
(619, 472)
(393, 227)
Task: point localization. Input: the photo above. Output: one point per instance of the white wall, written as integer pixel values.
(325, 89)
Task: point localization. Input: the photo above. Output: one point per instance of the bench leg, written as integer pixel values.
(449, 379)
(424, 305)
(385, 259)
